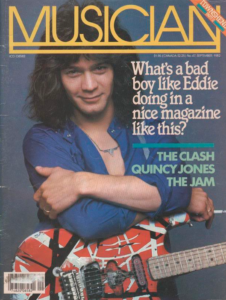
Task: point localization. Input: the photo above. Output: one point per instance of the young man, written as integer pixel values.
(80, 158)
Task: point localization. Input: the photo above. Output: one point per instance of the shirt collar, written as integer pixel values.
(70, 129)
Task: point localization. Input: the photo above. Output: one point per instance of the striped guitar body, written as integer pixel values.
(127, 266)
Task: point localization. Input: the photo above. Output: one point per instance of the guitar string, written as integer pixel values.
(183, 260)
(190, 268)
(197, 257)
(202, 262)
(217, 246)
(152, 262)
(191, 264)
(168, 273)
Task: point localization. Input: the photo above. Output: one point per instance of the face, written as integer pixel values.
(89, 86)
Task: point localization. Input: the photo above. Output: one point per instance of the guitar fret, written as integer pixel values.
(165, 265)
(175, 264)
(207, 258)
(222, 252)
(210, 257)
(199, 261)
(216, 261)
(180, 263)
(219, 258)
(162, 267)
(160, 271)
(204, 258)
(169, 266)
(156, 268)
(190, 261)
(186, 270)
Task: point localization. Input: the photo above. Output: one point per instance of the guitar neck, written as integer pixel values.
(187, 261)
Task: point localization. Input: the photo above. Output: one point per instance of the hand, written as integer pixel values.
(60, 190)
(201, 207)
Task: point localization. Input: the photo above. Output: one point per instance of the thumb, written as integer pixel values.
(44, 171)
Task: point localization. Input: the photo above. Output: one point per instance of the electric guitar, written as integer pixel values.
(127, 266)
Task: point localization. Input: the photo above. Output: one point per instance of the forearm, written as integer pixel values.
(126, 191)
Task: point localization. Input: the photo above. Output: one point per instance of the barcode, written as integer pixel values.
(18, 283)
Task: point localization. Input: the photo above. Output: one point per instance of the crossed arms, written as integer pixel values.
(97, 206)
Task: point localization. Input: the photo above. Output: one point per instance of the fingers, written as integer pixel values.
(209, 222)
(47, 209)
(210, 211)
(37, 195)
(52, 215)
(46, 191)
(44, 171)
(206, 212)
(43, 205)
(201, 207)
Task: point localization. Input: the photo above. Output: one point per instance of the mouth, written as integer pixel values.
(91, 98)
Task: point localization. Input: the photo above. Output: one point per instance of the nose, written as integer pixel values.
(89, 82)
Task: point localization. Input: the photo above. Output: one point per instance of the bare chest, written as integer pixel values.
(111, 154)
(114, 163)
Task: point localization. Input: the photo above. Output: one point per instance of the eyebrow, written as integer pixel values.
(74, 67)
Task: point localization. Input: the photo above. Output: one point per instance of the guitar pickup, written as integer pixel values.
(139, 272)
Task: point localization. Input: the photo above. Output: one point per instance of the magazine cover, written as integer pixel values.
(113, 146)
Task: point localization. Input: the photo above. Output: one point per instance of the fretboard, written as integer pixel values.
(187, 261)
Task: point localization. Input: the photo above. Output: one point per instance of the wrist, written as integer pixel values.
(85, 183)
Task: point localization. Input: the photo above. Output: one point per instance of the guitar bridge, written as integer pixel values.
(91, 275)
(71, 285)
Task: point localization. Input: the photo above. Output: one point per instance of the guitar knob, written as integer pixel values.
(57, 271)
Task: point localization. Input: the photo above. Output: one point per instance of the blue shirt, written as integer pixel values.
(70, 148)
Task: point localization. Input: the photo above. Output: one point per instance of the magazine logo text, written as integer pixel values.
(150, 41)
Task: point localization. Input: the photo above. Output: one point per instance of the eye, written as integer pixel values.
(72, 72)
(100, 69)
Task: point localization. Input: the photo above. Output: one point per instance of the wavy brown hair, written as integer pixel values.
(47, 100)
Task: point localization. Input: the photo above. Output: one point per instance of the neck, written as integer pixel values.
(94, 123)
(187, 261)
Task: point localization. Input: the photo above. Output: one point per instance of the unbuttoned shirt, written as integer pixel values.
(71, 149)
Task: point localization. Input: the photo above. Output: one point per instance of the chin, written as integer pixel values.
(93, 112)
(94, 109)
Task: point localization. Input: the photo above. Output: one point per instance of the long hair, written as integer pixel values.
(47, 100)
